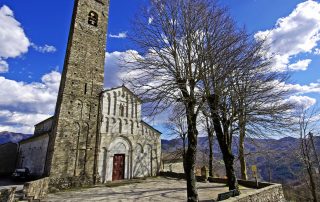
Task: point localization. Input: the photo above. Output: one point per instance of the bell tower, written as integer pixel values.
(73, 143)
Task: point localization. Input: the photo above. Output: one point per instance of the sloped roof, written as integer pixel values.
(149, 126)
(124, 88)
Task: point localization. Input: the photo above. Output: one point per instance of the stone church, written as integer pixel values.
(95, 135)
(129, 147)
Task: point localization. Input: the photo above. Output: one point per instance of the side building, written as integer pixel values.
(33, 151)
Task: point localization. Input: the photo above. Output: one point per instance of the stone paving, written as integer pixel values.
(152, 189)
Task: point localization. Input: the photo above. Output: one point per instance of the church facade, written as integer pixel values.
(129, 147)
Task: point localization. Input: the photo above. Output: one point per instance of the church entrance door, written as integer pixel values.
(118, 167)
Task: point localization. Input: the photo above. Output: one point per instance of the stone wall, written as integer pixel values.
(173, 166)
(8, 157)
(272, 193)
(266, 192)
(37, 189)
(7, 195)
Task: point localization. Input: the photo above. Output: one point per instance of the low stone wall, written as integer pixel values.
(37, 189)
(179, 176)
(272, 193)
(58, 184)
(265, 192)
(7, 195)
(246, 183)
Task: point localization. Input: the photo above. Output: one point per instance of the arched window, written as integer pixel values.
(85, 88)
(127, 106)
(107, 125)
(113, 126)
(93, 18)
(121, 110)
(136, 109)
(132, 107)
(109, 103)
(115, 103)
(131, 125)
(120, 126)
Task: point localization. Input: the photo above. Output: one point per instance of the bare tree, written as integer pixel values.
(227, 51)
(168, 34)
(239, 87)
(308, 122)
(260, 95)
(193, 53)
(177, 126)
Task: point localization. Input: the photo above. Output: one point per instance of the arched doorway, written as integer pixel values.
(117, 160)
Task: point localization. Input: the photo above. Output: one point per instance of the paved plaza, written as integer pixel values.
(152, 189)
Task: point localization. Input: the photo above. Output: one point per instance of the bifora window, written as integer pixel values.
(93, 18)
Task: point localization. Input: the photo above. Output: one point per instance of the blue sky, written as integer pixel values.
(33, 39)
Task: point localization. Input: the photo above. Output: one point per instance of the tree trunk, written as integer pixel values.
(190, 173)
(242, 134)
(222, 137)
(305, 148)
(228, 159)
(242, 159)
(184, 146)
(312, 184)
(210, 139)
(190, 160)
(314, 151)
(211, 156)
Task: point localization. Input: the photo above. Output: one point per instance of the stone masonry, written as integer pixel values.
(73, 146)
(124, 132)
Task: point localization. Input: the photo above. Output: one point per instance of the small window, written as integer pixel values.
(93, 18)
(85, 88)
(121, 110)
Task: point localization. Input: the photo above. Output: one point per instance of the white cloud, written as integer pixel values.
(121, 35)
(115, 71)
(304, 102)
(20, 122)
(24, 104)
(297, 33)
(44, 49)
(13, 41)
(302, 89)
(4, 66)
(300, 65)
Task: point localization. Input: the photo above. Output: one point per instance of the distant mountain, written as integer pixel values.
(6, 137)
(277, 160)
